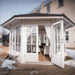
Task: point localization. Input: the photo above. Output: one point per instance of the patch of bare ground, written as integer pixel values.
(72, 48)
(29, 69)
(3, 53)
(4, 49)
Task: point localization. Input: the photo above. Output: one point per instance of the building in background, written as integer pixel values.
(66, 7)
(70, 37)
(4, 36)
(5, 40)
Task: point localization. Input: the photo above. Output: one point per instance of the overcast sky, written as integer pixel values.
(8, 8)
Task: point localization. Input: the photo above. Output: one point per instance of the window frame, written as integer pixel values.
(48, 8)
(18, 41)
(67, 36)
(61, 3)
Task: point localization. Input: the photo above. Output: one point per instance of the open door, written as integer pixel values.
(58, 44)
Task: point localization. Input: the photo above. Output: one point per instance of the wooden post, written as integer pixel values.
(23, 44)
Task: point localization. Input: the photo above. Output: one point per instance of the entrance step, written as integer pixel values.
(40, 63)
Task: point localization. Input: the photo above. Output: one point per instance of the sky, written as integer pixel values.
(9, 8)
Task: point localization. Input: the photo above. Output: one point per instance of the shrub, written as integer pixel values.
(0, 41)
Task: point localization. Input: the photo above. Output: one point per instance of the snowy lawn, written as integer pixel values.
(70, 62)
(71, 53)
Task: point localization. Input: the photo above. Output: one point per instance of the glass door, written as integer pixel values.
(31, 39)
(32, 44)
(58, 43)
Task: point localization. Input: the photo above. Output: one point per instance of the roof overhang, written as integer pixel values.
(38, 16)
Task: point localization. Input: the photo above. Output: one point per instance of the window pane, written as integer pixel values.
(67, 38)
(17, 47)
(46, 40)
(18, 39)
(18, 30)
(48, 8)
(34, 49)
(60, 3)
(67, 35)
(28, 48)
(29, 39)
(57, 38)
(13, 39)
(67, 32)
(33, 38)
(39, 39)
(29, 44)
(33, 42)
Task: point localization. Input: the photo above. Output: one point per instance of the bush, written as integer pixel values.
(0, 41)
(68, 58)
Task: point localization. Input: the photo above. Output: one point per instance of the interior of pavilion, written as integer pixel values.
(43, 42)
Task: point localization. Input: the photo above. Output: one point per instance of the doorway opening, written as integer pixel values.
(44, 44)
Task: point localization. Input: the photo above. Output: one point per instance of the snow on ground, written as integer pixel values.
(71, 53)
(8, 63)
(34, 72)
(0, 49)
(70, 62)
(2, 60)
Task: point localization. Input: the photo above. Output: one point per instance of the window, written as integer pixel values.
(31, 39)
(67, 36)
(39, 39)
(18, 39)
(13, 39)
(57, 38)
(60, 3)
(46, 40)
(48, 8)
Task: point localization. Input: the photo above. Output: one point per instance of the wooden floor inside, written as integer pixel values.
(43, 57)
